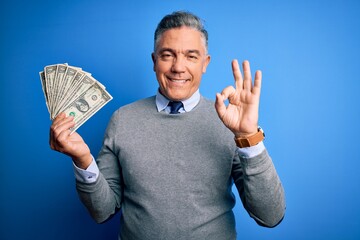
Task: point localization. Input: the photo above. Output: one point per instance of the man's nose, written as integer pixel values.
(179, 65)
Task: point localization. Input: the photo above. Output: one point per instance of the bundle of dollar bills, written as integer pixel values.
(73, 91)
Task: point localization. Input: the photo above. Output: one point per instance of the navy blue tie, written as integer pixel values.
(175, 106)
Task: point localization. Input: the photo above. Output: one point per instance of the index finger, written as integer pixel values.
(58, 118)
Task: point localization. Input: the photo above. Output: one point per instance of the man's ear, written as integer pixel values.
(206, 63)
(154, 60)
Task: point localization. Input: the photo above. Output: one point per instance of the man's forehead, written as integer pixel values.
(186, 38)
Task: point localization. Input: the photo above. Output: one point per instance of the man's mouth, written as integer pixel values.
(175, 80)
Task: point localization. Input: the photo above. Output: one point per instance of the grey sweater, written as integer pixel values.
(172, 176)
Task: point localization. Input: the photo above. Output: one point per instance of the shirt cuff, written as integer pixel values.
(88, 175)
(249, 152)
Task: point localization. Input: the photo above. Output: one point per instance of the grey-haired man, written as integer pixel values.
(171, 171)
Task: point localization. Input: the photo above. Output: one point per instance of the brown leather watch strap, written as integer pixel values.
(251, 140)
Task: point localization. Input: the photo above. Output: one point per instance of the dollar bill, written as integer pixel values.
(43, 85)
(65, 92)
(71, 90)
(50, 73)
(87, 104)
(83, 83)
(60, 72)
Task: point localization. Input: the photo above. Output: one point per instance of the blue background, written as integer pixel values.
(308, 52)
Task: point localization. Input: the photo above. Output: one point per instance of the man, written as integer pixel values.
(171, 174)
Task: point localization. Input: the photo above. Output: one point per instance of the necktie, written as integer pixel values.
(175, 106)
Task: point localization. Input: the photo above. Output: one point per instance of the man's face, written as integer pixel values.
(179, 62)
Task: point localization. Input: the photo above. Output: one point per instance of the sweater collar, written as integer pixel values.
(189, 104)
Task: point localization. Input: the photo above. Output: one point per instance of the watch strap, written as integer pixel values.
(251, 140)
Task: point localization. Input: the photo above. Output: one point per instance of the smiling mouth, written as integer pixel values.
(177, 80)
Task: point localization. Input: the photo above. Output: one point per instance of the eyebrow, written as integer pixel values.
(173, 51)
(194, 51)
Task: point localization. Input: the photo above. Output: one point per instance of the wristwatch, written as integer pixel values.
(251, 140)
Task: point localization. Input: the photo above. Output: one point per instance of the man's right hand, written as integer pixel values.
(71, 144)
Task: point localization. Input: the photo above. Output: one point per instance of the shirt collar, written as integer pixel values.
(162, 102)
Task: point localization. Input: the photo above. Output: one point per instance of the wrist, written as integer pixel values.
(245, 135)
(83, 162)
(249, 140)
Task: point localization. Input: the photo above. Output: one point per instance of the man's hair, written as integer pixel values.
(179, 19)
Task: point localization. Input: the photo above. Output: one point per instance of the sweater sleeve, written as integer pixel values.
(103, 197)
(260, 188)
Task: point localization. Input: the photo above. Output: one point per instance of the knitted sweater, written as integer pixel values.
(172, 174)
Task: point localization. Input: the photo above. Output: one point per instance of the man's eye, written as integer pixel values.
(193, 57)
(166, 56)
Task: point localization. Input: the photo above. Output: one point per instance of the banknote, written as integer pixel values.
(87, 104)
(50, 73)
(72, 90)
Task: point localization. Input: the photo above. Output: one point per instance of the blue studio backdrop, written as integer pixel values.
(307, 50)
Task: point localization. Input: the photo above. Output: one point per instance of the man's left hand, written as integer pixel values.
(242, 113)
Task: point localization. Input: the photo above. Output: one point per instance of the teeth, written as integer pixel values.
(179, 81)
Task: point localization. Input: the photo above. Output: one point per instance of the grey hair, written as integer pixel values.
(178, 19)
